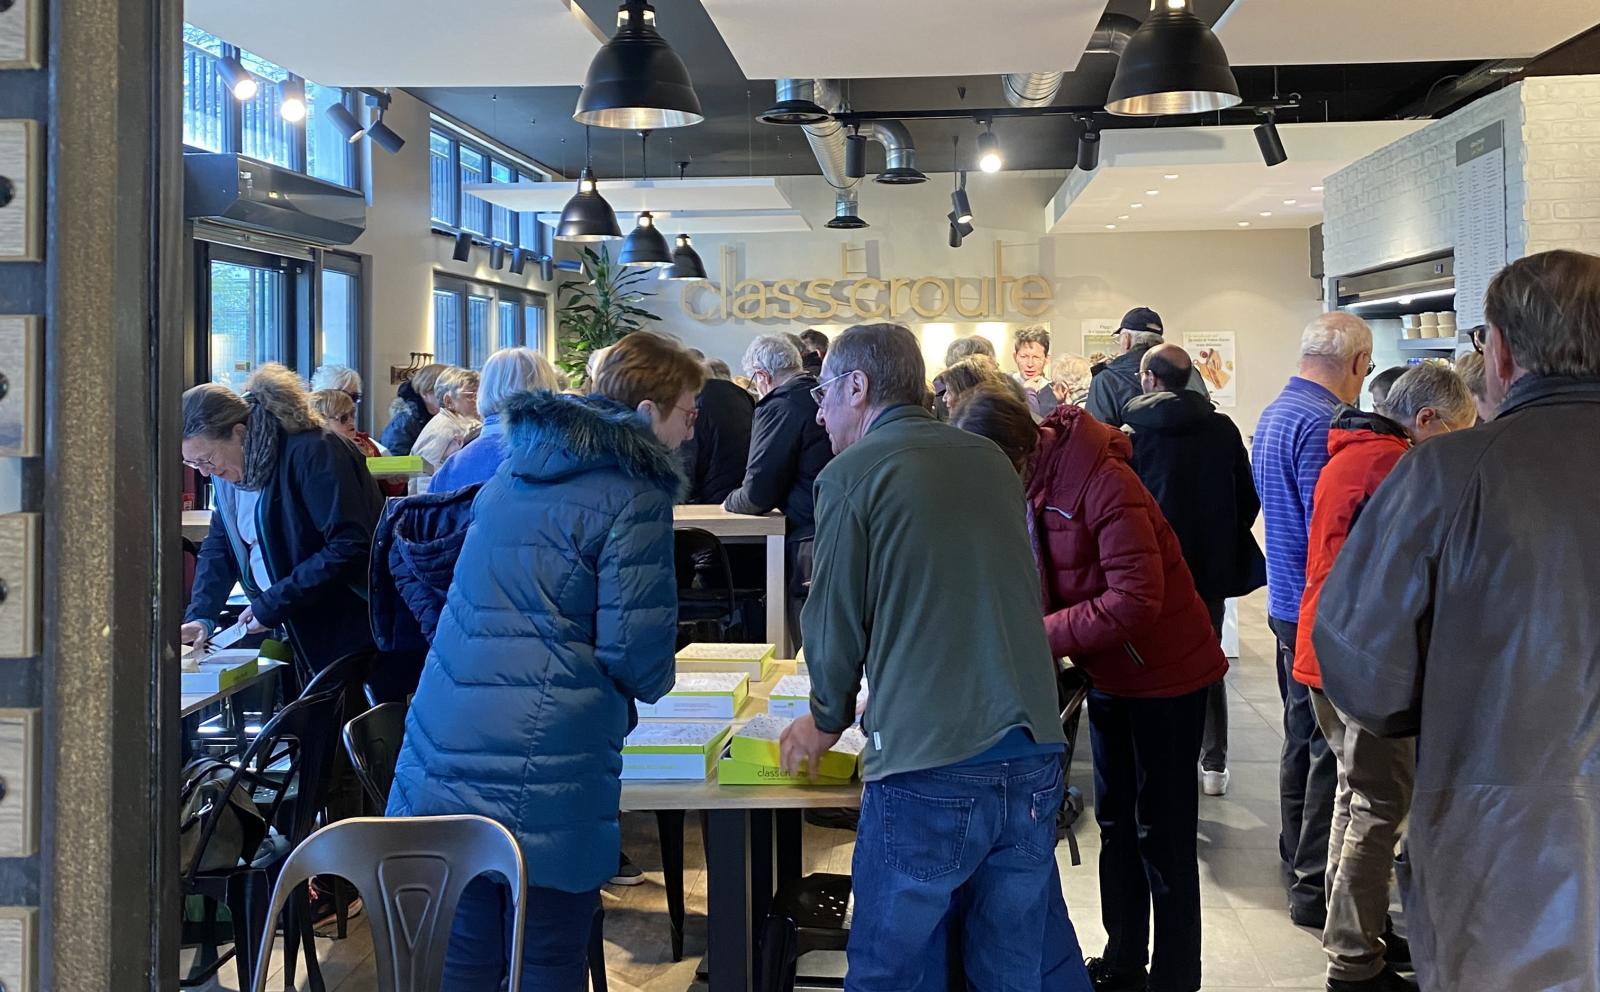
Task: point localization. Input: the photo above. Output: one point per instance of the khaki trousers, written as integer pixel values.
(1376, 775)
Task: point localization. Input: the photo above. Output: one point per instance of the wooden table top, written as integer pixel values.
(197, 523)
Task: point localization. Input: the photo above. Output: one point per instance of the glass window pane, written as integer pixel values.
(509, 331)
(247, 320)
(533, 326)
(478, 345)
(441, 179)
(205, 95)
(528, 234)
(474, 212)
(340, 318)
(446, 326)
(327, 151)
(267, 136)
(500, 217)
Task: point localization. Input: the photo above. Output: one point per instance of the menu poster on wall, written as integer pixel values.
(1100, 339)
(1213, 354)
(1480, 218)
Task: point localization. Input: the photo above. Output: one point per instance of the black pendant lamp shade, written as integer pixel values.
(686, 262)
(588, 217)
(645, 245)
(1173, 64)
(636, 81)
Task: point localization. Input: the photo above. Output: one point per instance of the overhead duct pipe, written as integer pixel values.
(845, 217)
(900, 155)
(1039, 89)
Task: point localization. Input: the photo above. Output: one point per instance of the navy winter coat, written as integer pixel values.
(562, 613)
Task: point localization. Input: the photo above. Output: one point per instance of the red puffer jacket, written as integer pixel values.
(1365, 448)
(1118, 598)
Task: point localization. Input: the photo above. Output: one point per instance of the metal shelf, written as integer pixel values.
(1429, 344)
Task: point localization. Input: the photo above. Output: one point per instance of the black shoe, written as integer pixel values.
(1396, 949)
(1107, 977)
(833, 818)
(1387, 980)
(628, 873)
(1313, 917)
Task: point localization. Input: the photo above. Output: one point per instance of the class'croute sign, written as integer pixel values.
(864, 297)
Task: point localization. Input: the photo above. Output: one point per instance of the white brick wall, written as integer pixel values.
(1561, 163)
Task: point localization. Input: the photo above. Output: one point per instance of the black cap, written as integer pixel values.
(1142, 319)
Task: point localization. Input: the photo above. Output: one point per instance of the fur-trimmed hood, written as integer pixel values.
(551, 436)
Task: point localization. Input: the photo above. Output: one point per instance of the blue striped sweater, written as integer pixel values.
(1287, 454)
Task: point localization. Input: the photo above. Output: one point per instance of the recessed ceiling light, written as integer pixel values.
(1170, 175)
(1244, 223)
(1152, 192)
(1135, 206)
(1266, 213)
(1122, 217)
(1290, 203)
(1111, 227)
(1316, 189)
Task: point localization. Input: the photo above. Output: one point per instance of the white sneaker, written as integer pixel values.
(1214, 783)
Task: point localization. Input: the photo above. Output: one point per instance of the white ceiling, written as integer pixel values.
(1300, 32)
(697, 222)
(1221, 182)
(411, 42)
(631, 195)
(892, 38)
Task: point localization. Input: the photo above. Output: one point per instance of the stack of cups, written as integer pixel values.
(1430, 325)
(1447, 324)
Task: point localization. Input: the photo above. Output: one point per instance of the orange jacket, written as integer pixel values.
(1365, 447)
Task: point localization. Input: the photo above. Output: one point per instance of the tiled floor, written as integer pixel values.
(1249, 943)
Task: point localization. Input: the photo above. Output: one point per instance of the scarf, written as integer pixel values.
(262, 434)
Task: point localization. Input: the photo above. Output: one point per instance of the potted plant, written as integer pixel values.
(598, 310)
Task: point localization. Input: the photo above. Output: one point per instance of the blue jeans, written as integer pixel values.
(976, 843)
(555, 941)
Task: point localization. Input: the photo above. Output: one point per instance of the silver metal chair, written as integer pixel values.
(409, 872)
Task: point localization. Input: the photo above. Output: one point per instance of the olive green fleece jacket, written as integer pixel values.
(925, 581)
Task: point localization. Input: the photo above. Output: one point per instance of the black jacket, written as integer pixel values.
(402, 431)
(787, 450)
(315, 521)
(1193, 461)
(715, 459)
(1116, 384)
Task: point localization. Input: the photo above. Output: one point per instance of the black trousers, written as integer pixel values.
(1214, 745)
(1147, 803)
(1308, 774)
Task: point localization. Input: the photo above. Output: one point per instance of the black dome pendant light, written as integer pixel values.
(636, 82)
(686, 262)
(645, 245)
(587, 216)
(1173, 64)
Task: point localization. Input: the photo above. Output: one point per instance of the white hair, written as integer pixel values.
(1338, 335)
(340, 377)
(1430, 385)
(513, 370)
(1073, 372)
(1143, 339)
(773, 354)
(591, 365)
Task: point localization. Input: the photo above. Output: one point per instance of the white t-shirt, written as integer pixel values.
(245, 503)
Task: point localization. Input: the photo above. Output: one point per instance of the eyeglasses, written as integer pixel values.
(1371, 366)
(1478, 337)
(201, 464)
(819, 392)
(354, 397)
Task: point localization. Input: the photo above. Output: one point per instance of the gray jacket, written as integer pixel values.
(1465, 609)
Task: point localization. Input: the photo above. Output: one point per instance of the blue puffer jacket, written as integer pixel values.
(563, 612)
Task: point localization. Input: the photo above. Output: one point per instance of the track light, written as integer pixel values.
(384, 137)
(463, 249)
(962, 226)
(292, 99)
(989, 158)
(1272, 151)
(240, 82)
(1089, 148)
(955, 236)
(344, 122)
(636, 81)
(855, 156)
(497, 256)
(958, 200)
(547, 268)
(519, 261)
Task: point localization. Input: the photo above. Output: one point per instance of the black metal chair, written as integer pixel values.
(372, 740)
(708, 608)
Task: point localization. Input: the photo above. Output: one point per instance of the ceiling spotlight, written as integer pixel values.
(794, 105)
(1266, 213)
(463, 248)
(636, 81)
(344, 122)
(1152, 192)
(292, 99)
(1244, 223)
(1136, 206)
(645, 246)
(855, 156)
(1089, 148)
(1173, 64)
(519, 261)
(1111, 227)
(497, 255)
(989, 158)
(240, 82)
(1290, 203)
(547, 268)
(1316, 189)
(964, 226)
(1170, 175)
(384, 136)
(686, 262)
(1271, 144)
(1122, 217)
(955, 236)
(963, 206)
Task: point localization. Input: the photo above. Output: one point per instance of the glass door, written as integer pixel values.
(250, 313)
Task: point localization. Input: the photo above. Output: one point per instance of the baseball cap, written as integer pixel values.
(1142, 319)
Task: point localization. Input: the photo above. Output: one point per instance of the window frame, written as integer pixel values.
(521, 171)
(498, 293)
(345, 265)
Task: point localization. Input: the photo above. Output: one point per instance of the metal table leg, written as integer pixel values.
(761, 864)
(790, 826)
(728, 954)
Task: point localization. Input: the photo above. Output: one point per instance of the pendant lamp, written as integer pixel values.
(645, 246)
(587, 216)
(1173, 64)
(686, 263)
(636, 81)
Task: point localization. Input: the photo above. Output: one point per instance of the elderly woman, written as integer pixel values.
(968, 374)
(293, 513)
(457, 421)
(514, 370)
(341, 377)
(414, 405)
(1069, 377)
(562, 614)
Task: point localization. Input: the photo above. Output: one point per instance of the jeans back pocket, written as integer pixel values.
(1037, 837)
(924, 836)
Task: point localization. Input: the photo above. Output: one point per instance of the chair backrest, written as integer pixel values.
(409, 872)
(702, 562)
(373, 742)
(351, 670)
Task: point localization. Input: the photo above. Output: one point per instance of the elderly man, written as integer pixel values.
(938, 605)
(1289, 452)
(1375, 774)
(1462, 610)
(1117, 382)
(787, 450)
(1193, 461)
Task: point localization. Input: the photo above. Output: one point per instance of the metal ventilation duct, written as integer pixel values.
(900, 155)
(1039, 89)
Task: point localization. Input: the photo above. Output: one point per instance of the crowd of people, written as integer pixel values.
(968, 543)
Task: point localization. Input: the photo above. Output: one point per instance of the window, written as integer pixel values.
(265, 134)
(473, 320)
(447, 326)
(508, 324)
(442, 177)
(456, 162)
(328, 153)
(249, 316)
(341, 318)
(474, 212)
(205, 96)
(479, 345)
(533, 325)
